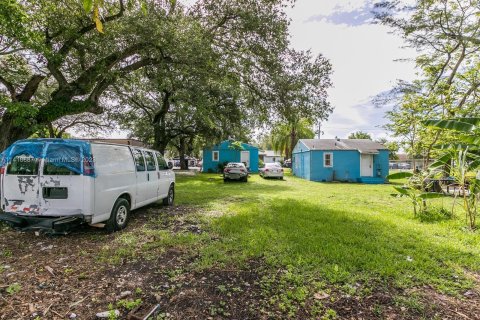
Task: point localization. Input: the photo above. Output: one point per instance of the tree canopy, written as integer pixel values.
(447, 36)
(360, 135)
(162, 70)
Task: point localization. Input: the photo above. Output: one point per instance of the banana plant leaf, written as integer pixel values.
(431, 195)
(399, 175)
(461, 124)
(402, 191)
(442, 161)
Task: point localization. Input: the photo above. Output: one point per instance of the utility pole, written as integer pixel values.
(319, 129)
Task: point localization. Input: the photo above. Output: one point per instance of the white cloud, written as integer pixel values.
(362, 57)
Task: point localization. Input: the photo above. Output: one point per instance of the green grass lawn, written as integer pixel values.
(338, 233)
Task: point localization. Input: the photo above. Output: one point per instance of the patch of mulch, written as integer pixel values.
(63, 277)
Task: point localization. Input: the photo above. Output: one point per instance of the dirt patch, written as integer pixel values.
(68, 277)
(420, 303)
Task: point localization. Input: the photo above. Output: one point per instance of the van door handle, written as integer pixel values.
(148, 176)
(158, 174)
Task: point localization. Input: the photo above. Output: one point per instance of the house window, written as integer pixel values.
(328, 159)
(215, 155)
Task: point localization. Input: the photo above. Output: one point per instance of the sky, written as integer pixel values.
(364, 57)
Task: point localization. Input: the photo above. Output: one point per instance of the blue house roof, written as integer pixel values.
(362, 145)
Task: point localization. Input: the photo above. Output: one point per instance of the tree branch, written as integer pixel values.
(69, 43)
(30, 88)
(9, 86)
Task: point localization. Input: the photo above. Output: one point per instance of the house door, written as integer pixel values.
(245, 158)
(366, 165)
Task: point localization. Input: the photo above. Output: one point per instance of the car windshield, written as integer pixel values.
(235, 165)
(272, 165)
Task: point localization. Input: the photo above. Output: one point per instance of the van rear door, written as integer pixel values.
(21, 181)
(61, 182)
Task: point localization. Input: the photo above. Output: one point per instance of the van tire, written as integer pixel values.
(119, 216)
(168, 201)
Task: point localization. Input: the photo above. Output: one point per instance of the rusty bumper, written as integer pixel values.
(49, 225)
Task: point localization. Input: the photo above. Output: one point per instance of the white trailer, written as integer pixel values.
(54, 184)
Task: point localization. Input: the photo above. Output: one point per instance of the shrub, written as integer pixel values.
(222, 166)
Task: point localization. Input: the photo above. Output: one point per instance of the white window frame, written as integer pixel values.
(325, 158)
(213, 156)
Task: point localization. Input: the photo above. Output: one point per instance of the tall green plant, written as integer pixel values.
(414, 190)
(462, 159)
(285, 136)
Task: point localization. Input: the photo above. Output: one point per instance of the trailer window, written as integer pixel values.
(150, 159)
(62, 160)
(23, 164)
(162, 164)
(139, 161)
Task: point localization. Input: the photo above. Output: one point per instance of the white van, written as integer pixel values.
(55, 184)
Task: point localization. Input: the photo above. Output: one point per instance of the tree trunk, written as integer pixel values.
(293, 136)
(160, 140)
(182, 150)
(11, 133)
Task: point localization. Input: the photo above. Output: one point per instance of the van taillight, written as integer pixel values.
(2, 170)
(88, 168)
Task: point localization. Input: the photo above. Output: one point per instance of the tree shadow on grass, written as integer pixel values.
(343, 246)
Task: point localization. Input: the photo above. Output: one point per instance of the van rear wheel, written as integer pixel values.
(119, 217)
(168, 201)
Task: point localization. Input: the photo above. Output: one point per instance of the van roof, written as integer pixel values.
(91, 141)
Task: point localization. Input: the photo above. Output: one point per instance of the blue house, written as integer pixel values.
(349, 160)
(223, 152)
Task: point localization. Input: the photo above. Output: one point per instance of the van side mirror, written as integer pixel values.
(170, 165)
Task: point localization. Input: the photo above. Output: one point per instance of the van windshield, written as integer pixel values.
(63, 160)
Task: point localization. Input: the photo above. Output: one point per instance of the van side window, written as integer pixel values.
(151, 166)
(23, 164)
(139, 162)
(162, 164)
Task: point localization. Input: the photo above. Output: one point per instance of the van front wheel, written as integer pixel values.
(168, 201)
(119, 217)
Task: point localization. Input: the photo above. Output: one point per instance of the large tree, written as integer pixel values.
(56, 45)
(300, 87)
(237, 71)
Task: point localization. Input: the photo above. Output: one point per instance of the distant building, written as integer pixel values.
(270, 156)
(223, 152)
(352, 160)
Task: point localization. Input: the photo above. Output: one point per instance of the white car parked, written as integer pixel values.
(271, 170)
(55, 184)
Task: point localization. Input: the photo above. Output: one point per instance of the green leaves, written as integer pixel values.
(461, 124)
(399, 175)
(431, 195)
(94, 7)
(402, 191)
(88, 5)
